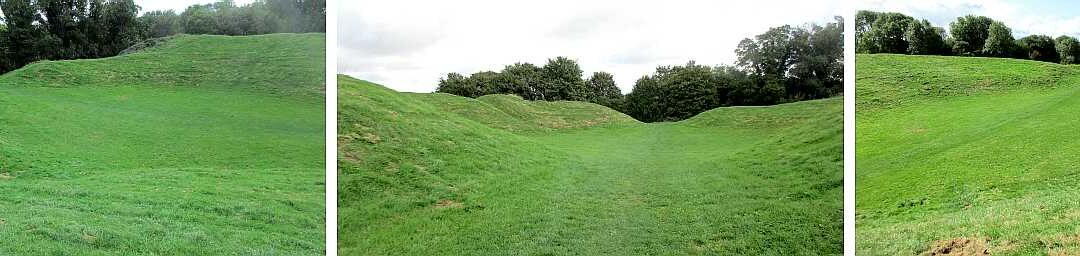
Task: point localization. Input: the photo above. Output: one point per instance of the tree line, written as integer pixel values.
(34, 30)
(969, 35)
(784, 64)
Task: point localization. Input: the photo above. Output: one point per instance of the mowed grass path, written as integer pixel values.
(133, 155)
(981, 149)
(586, 180)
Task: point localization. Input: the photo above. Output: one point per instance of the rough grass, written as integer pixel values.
(435, 174)
(198, 147)
(976, 148)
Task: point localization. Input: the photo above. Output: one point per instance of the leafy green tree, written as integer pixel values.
(457, 84)
(22, 37)
(770, 54)
(199, 19)
(602, 90)
(863, 21)
(818, 71)
(486, 82)
(970, 33)
(1040, 48)
(160, 23)
(999, 41)
(65, 37)
(887, 32)
(1068, 49)
(562, 80)
(122, 28)
(924, 39)
(522, 79)
(674, 93)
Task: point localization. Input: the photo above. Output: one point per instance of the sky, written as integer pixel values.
(177, 5)
(408, 45)
(1042, 17)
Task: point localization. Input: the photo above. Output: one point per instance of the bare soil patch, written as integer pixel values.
(961, 246)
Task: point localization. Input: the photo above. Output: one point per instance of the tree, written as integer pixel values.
(863, 23)
(522, 79)
(456, 84)
(1068, 49)
(1040, 48)
(61, 18)
(485, 82)
(819, 67)
(924, 39)
(886, 34)
(602, 89)
(562, 80)
(770, 54)
(674, 93)
(970, 33)
(22, 37)
(122, 27)
(999, 41)
(160, 23)
(198, 19)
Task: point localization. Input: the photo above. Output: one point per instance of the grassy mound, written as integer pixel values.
(512, 113)
(968, 149)
(284, 63)
(447, 175)
(171, 151)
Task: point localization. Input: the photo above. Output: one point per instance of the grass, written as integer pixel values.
(437, 174)
(207, 145)
(977, 148)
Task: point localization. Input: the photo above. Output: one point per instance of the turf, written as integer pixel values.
(205, 145)
(966, 148)
(437, 174)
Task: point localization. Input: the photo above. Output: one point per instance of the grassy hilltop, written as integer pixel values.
(204, 145)
(438, 174)
(967, 154)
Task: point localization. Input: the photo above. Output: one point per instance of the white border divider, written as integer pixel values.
(849, 130)
(331, 127)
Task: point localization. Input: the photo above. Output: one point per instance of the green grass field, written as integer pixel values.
(971, 154)
(438, 174)
(206, 145)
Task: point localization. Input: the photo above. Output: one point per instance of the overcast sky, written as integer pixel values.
(408, 45)
(177, 5)
(1046, 17)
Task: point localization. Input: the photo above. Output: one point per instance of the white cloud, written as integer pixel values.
(408, 45)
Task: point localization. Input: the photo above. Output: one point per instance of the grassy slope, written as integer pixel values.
(967, 147)
(206, 145)
(440, 174)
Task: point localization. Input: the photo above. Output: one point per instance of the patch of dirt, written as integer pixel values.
(349, 156)
(89, 238)
(960, 246)
(918, 130)
(6, 176)
(447, 203)
(371, 138)
(1062, 244)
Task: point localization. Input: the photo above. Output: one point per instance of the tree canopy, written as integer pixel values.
(969, 35)
(784, 64)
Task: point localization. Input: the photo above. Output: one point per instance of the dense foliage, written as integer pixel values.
(784, 64)
(559, 79)
(970, 35)
(76, 29)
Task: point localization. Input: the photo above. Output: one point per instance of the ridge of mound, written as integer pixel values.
(512, 113)
(890, 80)
(279, 62)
